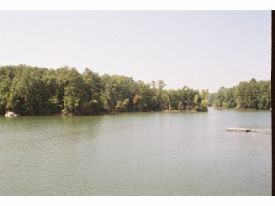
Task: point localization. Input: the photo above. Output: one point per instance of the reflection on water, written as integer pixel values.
(136, 154)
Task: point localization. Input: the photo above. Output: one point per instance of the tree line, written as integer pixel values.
(246, 95)
(30, 90)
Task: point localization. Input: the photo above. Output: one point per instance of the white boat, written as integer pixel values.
(11, 114)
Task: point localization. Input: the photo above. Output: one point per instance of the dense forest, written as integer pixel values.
(246, 95)
(28, 90)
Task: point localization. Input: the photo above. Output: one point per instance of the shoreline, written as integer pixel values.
(163, 111)
(240, 110)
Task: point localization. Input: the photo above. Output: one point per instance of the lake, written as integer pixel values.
(136, 154)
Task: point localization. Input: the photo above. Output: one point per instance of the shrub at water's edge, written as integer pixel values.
(27, 90)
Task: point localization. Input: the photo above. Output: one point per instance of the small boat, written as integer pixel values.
(11, 114)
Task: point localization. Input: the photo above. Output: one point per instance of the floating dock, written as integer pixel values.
(240, 129)
(247, 129)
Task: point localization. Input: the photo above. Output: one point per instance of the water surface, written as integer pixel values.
(136, 154)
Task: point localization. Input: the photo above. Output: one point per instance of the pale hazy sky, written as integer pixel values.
(195, 48)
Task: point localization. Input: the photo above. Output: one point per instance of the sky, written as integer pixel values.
(199, 49)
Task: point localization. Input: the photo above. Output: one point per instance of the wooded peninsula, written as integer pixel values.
(246, 95)
(28, 90)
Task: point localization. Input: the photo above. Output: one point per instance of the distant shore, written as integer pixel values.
(240, 110)
(162, 111)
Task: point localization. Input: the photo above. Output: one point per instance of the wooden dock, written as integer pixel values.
(247, 129)
(239, 129)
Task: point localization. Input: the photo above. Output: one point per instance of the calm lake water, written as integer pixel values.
(136, 154)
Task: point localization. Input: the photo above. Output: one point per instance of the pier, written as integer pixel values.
(240, 129)
(247, 129)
